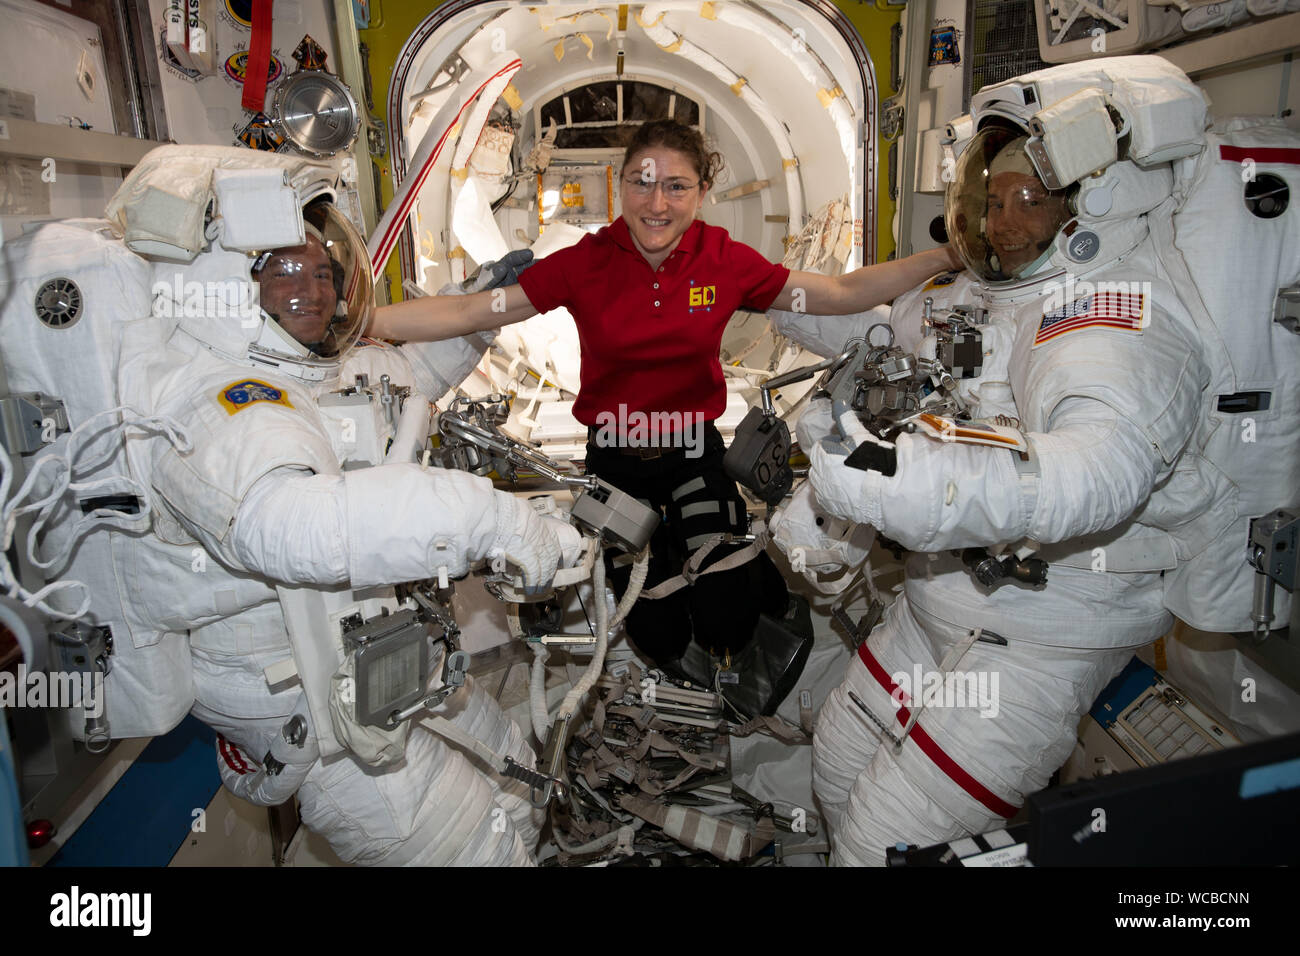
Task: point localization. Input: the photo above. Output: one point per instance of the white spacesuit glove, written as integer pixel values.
(815, 424)
(406, 523)
(846, 491)
(572, 544)
(525, 539)
(1084, 477)
(819, 544)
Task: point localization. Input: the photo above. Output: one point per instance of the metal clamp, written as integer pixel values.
(456, 425)
(1274, 540)
(546, 783)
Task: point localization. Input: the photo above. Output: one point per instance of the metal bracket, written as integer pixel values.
(29, 421)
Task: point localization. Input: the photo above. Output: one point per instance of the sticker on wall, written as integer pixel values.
(309, 54)
(944, 46)
(258, 133)
(238, 13)
(236, 67)
(23, 190)
(169, 61)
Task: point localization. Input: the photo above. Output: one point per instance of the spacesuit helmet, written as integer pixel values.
(315, 297)
(1000, 216)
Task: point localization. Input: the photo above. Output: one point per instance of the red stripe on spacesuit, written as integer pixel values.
(394, 228)
(1273, 154)
(931, 749)
(234, 759)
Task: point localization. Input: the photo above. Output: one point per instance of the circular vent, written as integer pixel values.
(1267, 196)
(58, 303)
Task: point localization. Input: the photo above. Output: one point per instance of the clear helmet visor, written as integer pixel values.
(999, 215)
(318, 293)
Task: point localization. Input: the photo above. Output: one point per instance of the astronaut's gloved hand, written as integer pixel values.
(492, 275)
(572, 543)
(526, 540)
(824, 548)
(853, 431)
(815, 424)
(854, 492)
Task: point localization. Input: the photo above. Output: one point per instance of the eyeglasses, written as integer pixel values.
(673, 188)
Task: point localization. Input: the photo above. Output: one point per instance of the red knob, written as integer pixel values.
(39, 833)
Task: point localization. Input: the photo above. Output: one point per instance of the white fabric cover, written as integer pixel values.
(1229, 265)
(159, 209)
(148, 691)
(1165, 110)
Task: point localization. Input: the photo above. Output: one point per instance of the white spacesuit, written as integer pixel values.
(968, 697)
(293, 483)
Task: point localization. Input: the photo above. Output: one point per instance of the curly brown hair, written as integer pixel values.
(671, 134)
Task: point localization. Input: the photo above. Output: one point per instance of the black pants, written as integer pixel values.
(696, 500)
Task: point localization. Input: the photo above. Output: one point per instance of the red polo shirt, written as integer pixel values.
(650, 338)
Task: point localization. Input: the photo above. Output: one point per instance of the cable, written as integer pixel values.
(66, 465)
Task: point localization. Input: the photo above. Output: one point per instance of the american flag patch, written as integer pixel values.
(1101, 310)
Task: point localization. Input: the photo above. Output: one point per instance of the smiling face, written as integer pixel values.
(297, 289)
(1023, 218)
(659, 217)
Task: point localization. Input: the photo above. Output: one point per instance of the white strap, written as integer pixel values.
(950, 661)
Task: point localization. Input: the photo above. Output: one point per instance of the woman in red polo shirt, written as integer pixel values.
(651, 295)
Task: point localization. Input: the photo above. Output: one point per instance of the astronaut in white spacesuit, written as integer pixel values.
(292, 487)
(967, 695)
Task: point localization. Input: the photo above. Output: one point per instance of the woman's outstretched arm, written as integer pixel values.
(863, 288)
(436, 317)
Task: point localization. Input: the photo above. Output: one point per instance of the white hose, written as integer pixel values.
(412, 431)
(640, 569)
(537, 692)
(537, 683)
(60, 467)
(597, 665)
(604, 625)
(596, 845)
